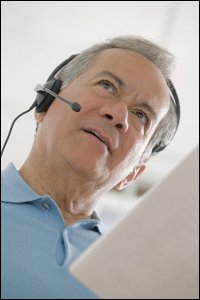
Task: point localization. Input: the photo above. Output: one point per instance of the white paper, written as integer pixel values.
(152, 253)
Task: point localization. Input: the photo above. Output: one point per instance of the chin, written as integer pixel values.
(90, 165)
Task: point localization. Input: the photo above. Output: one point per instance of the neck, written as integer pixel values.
(75, 196)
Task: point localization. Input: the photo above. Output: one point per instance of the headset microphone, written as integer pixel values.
(41, 89)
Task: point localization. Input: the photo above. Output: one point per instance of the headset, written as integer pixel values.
(175, 100)
(47, 93)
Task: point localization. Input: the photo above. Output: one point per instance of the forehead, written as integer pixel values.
(139, 75)
(130, 60)
(133, 66)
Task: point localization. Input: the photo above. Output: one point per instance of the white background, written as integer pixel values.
(38, 35)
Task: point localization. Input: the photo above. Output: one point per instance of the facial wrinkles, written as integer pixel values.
(135, 99)
(140, 114)
(132, 100)
(131, 92)
(127, 90)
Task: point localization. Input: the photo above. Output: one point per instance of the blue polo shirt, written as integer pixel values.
(37, 246)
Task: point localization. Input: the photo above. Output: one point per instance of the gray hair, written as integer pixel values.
(160, 57)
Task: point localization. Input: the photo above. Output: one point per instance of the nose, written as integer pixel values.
(116, 114)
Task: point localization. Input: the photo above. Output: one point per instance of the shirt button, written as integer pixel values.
(45, 205)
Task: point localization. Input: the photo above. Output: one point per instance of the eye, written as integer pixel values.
(107, 85)
(142, 117)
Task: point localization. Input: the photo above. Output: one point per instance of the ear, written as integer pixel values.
(39, 117)
(131, 177)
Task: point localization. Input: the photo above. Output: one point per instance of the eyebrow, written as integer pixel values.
(113, 76)
(121, 83)
(150, 109)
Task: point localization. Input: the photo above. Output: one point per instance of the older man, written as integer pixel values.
(49, 204)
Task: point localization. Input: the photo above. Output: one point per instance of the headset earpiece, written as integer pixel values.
(43, 99)
(160, 146)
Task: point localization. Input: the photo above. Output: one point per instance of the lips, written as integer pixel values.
(101, 136)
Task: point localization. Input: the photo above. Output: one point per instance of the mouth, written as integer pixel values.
(100, 136)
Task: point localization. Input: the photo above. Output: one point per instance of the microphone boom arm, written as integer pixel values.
(74, 105)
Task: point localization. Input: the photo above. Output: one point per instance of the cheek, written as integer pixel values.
(84, 95)
(60, 115)
(132, 149)
(55, 122)
(89, 101)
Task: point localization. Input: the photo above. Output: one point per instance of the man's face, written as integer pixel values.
(123, 97)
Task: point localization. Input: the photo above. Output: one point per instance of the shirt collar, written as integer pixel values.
(99, 222)
(16, 190)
